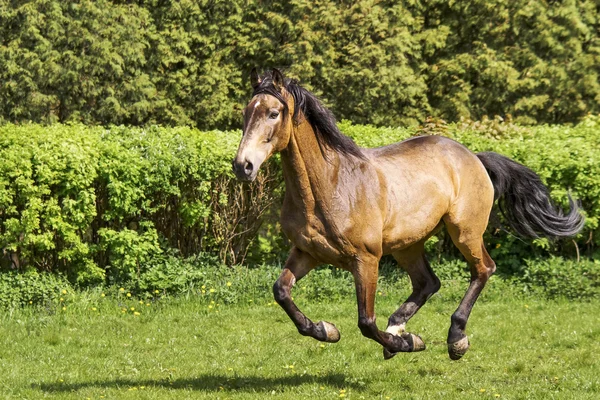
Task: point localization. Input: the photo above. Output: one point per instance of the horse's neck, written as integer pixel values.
(309, 177)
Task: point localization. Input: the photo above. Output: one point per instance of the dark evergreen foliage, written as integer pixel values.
(379, 62)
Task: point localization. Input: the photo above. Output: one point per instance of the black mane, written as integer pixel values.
(307, 105)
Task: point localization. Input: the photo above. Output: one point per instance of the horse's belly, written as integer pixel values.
(408, 231)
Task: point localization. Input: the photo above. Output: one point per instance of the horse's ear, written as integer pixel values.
(277, 79)
(254, 78)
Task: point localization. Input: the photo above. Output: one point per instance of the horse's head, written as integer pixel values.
(267, 124)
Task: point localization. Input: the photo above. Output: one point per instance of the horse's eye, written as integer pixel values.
(274, 115)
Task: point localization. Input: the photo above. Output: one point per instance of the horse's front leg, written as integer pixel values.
(297, 266)
(365, 278)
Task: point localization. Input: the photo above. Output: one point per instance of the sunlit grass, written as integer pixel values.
(125, 347)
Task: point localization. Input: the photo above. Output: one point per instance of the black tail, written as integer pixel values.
(524, 200)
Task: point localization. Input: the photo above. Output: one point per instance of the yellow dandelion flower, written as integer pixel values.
(379, 293)
(498, 246)
(30, 302)
(157, 291)
(228, 283)
(212, 302)
(128, 294)
(121, 290)
(482, 390)
(94, 308)
(64, 291)
(229, 369)
(141, 302)
(136, 313)
(322, 388)
(61, 299)
(342, 390)
(203, 287)
(342, 394)
(147, 304)
(123, 312)
(497, 395)
(64, 308)
(102, 295)
(204, 291)
(209, 307)
(132, 308)
(212, 290)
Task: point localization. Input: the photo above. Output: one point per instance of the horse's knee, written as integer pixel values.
(280, 292)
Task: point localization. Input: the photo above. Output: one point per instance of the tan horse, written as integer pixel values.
(348, 206)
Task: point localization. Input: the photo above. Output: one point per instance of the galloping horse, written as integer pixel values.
(348, 206)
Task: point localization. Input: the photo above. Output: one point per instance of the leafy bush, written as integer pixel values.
(557, 277)
(97, 204)
(31, 288)
(103, 205)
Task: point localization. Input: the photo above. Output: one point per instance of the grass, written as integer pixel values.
(180, 348)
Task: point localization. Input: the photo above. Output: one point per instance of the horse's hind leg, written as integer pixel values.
(424, 282)
(470, 244)
(297, 266)
(365, 273)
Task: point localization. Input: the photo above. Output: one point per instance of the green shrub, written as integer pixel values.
(100, 205)
(557, 277)
(31, 287)
(97, 204)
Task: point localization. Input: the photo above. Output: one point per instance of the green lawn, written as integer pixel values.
(177, 349)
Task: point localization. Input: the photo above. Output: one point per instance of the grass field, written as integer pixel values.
(180, 348)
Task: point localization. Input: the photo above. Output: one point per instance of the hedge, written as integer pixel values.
(378, 62)
(104, 205)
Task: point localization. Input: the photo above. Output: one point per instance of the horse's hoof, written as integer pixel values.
(415, 341)
(332, 335)
(458, 349)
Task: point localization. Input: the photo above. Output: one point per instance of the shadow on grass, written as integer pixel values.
(208, 383)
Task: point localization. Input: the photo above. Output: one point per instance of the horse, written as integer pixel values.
(348, 206)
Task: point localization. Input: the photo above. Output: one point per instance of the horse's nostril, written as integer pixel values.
(248, 168)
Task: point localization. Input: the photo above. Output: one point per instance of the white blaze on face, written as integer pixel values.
(255, 107)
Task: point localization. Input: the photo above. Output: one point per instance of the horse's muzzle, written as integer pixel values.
(244, 170)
